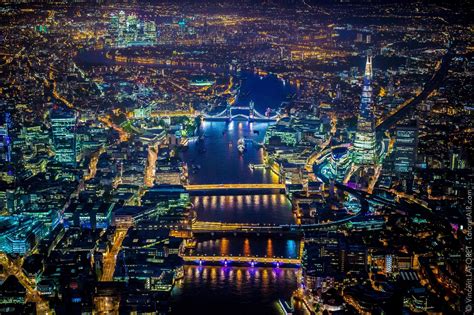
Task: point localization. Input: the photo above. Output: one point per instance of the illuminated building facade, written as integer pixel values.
(405, 150)
(339, 163)
(129, 30)
(5, 141)
(19, 234)
(282, 135)
(365, 148)
(63, 125)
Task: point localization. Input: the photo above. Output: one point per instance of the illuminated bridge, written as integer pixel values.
(204, 187)
(200, 227)
(250, 260)
(229, 114)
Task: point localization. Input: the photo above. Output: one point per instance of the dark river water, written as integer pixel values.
(220, 162)
(233, 290)
(263, 208)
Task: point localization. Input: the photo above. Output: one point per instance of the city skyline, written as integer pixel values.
(237, 157)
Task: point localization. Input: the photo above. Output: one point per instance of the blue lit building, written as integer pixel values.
(19, 234)
(5, 140)
(339, 163)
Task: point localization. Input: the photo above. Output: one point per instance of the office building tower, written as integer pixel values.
(405, 148)
(63, 125)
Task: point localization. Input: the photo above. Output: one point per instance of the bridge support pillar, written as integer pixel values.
(251, 111)
(229, 112)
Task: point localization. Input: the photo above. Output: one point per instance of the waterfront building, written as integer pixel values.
(365, 148)
(282, 135)
(63, 125)
(167, 173)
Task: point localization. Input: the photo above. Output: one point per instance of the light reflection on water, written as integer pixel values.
(216, 159)
(254, 290)
(266, 209)
(263, 246)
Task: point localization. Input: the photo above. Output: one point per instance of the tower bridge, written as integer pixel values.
(229, 114)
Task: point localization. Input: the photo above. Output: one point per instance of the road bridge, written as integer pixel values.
(205, 187)
(200, 227)
(250, 260)
(229, 114)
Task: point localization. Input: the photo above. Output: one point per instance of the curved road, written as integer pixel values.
(435, 81)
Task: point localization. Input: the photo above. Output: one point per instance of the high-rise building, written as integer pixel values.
(130, 30)
(63, 124)
(405, 148)
(149, 31)
(364, 150)
(114, 24)
(457, 160)
(5, 140)
(368, 39)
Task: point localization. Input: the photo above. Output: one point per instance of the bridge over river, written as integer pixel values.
(208, 187)
(247, 260)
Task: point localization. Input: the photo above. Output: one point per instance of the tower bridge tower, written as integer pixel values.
(229, 111)
(251, 110)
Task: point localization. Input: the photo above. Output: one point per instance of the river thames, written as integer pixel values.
(232, 289)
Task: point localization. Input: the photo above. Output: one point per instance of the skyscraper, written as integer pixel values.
(405, 149)
(364, 150)
(5, 141)
(63, 125)
(149, 32)
(130, 30)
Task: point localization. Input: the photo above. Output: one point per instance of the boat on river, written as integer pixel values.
(285, 307)
(241, 146)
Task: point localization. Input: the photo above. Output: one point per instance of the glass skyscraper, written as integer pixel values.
(63, 125)
(364, 151)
